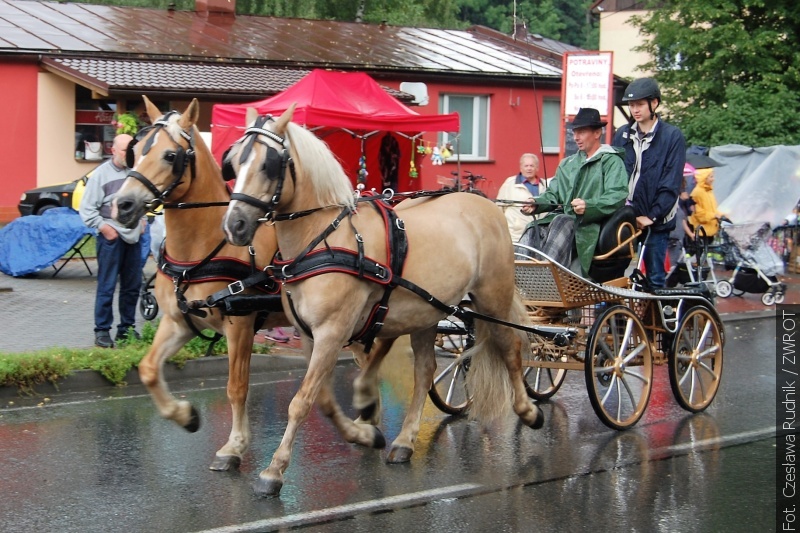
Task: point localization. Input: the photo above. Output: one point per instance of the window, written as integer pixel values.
(551, 125)
(94, 133)
(473, 140)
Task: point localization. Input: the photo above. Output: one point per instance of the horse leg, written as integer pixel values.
(169, 338)
(424, 367)
(366, 395)
(320, 369)
(239, 334)
(530, 414)
(363, 434)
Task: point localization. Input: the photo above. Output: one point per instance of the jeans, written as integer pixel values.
(117, 260)
(654, 255)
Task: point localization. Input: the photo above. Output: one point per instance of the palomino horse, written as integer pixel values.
(340, 263)
(171, 165)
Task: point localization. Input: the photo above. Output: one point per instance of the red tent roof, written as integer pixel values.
(351, 100)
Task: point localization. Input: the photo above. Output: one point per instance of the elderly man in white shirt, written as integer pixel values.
(519, 189)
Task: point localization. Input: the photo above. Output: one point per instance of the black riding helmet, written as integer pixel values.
(643, 89)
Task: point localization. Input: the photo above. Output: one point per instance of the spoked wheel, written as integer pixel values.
(449, 390)
(724, 288)
(618, 367)
(768, 298)
(542, 383)
(148, 306)
(695, 361)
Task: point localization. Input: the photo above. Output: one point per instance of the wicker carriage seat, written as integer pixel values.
(615, 246)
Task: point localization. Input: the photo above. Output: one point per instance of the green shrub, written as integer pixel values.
(26, 370)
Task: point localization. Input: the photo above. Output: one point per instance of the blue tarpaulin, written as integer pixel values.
(32, 243)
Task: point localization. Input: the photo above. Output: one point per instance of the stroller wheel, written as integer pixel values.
(768, 298)
(779, 298)
(724, 288)
(148, 306)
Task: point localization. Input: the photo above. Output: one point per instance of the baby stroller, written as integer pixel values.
(148, 305)
(693, 265)
(757, 265)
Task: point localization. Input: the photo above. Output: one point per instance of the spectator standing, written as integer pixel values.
(118, 248)
(591, 185)
(520, 189)
(655, 154)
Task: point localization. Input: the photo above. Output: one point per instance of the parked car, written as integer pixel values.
(37, 201)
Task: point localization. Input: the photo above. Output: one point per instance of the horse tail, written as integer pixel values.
(487, 379)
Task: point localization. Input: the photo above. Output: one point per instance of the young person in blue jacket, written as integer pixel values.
(655, 154)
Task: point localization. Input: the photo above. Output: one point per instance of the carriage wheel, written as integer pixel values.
(695, 361)
(148, 306)
(768, 298)
(724, 288)
(619, 367)
(542, 383)
(449, 390)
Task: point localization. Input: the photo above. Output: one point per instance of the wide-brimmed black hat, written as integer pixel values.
(588, 118)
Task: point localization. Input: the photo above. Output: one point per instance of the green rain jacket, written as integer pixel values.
(601, 181)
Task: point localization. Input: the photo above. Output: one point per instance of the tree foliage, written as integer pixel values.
(729, 69)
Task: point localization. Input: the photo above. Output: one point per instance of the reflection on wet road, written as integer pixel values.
(107, 462)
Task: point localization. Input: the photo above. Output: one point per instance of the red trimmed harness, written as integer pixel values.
(315, 261)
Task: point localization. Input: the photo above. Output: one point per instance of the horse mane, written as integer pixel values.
(324, 172)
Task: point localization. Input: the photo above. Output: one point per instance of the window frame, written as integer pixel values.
(482, 153)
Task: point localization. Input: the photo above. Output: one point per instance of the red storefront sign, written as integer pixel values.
(94, 117)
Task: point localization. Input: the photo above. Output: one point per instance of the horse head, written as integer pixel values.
(160, 161)
(259, 161)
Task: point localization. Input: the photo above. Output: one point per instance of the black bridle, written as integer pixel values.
(274, 165)
(181, 159)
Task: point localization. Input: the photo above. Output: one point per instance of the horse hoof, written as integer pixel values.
(194, 422)
(225, 463)
(399, 454)
(539, 422)
(267, 487)
(368, 412)
(378, 440)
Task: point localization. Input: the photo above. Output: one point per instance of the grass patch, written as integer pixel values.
(26, 370)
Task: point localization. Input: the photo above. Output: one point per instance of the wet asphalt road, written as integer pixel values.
(105, 461)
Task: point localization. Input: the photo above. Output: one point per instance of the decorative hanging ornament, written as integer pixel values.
(362, 169)
(412, 172)
(421, 148)
(446, 151)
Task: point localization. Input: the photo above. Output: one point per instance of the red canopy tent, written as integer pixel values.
(347, 110)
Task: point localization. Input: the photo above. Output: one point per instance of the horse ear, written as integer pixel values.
(152, 111)
(251, 116)
(190, 116)
(280, 124)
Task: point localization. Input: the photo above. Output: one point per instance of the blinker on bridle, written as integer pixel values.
(183, 158)
(274, 164)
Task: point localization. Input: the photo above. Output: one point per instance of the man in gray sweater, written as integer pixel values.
(118, 249)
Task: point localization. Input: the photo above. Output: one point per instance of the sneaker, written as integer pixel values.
(295, 334)
(276, 335)
(102, 339)
(127, 335)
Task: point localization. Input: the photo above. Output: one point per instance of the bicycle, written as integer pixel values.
(467, 182)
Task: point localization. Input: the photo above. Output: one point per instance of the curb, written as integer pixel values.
(217, 366)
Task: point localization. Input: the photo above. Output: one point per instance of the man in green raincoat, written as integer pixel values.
(591, 185)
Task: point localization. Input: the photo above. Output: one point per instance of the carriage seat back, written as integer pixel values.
(615, 245)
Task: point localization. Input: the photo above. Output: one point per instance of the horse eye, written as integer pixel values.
(169, 157)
